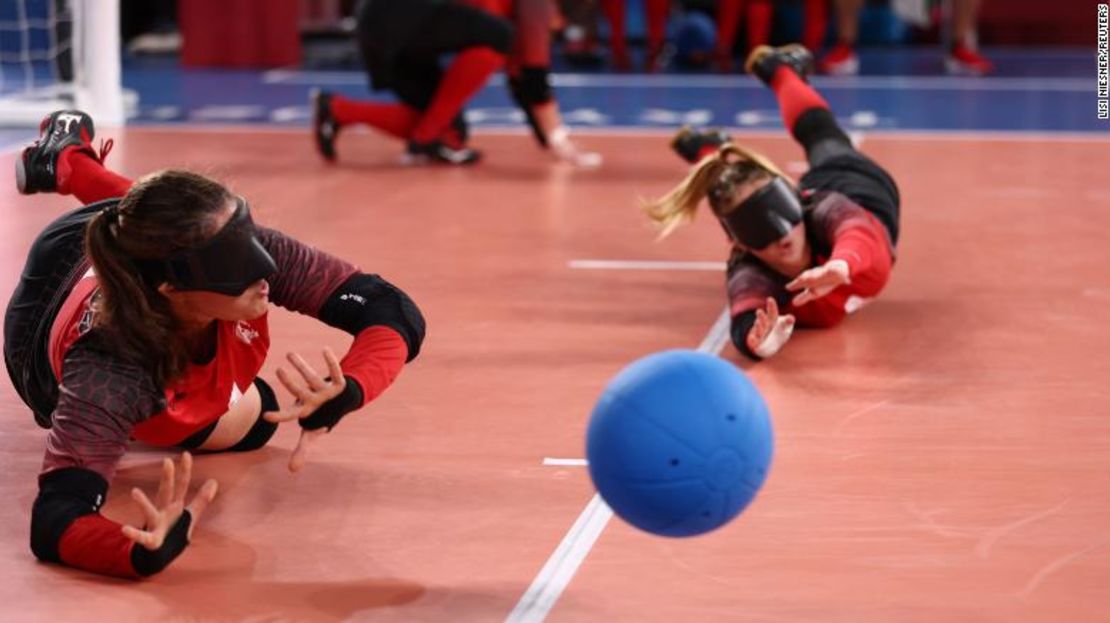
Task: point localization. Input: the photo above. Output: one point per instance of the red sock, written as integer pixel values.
(816, 22)
(467, 73)
(84, 177)
(759, 23)
(728, 20)
(656, 16)
(614, 12)
(395, 119)
(794, 95)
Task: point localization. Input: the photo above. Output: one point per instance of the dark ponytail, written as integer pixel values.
(162, 214)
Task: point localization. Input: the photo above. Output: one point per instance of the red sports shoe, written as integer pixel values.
(965, 61)
(841, 60)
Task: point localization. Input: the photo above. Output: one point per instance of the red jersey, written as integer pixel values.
(104, 402)
(202, 395)
(837, 228)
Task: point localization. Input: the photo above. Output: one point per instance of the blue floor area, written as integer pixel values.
(901, 89)
(1042, 90)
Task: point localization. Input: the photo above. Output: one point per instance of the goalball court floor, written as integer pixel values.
(941, 456)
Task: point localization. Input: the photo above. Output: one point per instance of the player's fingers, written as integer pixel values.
(150, 513)
(295, 386)
(284, 415)
(772, 312)
(184, 474)
(201, 500)
(313, 380)
(760, 318)
(335, 371)
(299, 458)
(144, 538)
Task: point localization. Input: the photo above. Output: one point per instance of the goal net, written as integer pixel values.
(60, 54)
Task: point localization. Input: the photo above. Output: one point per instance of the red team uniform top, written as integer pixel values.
(105, 401)
(207, 390)
(103, 404)
(837, 228)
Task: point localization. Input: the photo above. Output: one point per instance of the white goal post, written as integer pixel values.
(60, 54)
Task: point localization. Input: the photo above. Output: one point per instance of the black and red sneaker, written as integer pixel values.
(764, 60)
(36, 169)
(325, 128)
(693, 145)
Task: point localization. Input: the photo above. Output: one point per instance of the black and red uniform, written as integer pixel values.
(403, 44)
(837, 228)
(94, 403)
(851, 211)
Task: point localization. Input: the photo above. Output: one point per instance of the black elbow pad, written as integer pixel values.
(365, 301)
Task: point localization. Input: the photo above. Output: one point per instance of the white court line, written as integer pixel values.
(560, 568)
(643, 265)
(547, 460)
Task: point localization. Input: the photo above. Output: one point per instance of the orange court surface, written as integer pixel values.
(944, 455)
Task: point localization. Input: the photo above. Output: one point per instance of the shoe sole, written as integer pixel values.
(330, 158)
(754, 57)
(21, 176)
(682, 133)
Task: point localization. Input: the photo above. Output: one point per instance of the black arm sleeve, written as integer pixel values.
(741, 326)
(364, 301)
(64, 495)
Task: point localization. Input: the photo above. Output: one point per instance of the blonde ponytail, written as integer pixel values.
(681, 203)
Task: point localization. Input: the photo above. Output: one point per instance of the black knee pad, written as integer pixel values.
(194, 441)
(263, 429)
(531, 87)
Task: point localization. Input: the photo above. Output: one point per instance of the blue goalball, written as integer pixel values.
(679, 443)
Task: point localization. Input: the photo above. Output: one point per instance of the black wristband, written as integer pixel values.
(329, 413)
(150, 561)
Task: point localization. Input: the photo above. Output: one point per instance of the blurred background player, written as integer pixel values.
(758, 18)
(963, 56)
(655, 13)
(401, 44)
(144, 316)
(808, 255)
